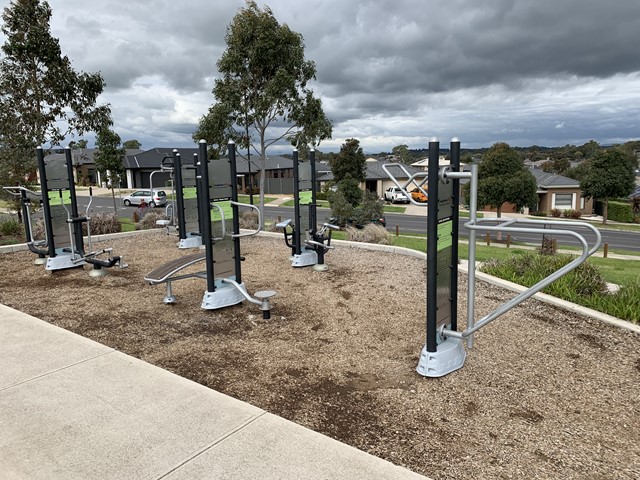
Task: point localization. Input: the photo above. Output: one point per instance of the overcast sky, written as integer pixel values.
(527, 72)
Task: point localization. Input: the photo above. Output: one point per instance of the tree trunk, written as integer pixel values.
(499, 215)
(113, 196)
(605, 211)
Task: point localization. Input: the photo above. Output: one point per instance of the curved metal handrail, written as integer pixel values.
(411, 179)
(248, 234)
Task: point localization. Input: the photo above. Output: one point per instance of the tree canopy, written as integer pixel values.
(132, 144)
(263, 94)
(502, 177)
(610, 175)
(108, 159)
(42, 98)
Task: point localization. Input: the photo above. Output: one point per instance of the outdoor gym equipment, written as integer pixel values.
(444, 351)
(217, 196)
(63, 225)
(26, 196)
(187, 205)
(316, 243)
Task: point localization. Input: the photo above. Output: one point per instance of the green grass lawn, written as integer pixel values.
(127, 224)
(256, 199)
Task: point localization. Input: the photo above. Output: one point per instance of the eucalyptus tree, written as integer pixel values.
(262, 96)
(42, 98)
(108, 159)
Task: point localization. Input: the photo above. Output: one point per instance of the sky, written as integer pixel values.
(525, 72)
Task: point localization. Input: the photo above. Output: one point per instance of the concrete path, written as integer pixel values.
(71, 408)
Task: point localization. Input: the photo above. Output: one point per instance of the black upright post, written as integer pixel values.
(177, 175)
(297, 228)
(432, 246)
(77, 227)
(48, 225)
(198, 166)
(455, 217)
(313, 212)
(204, 202)
(234, 208)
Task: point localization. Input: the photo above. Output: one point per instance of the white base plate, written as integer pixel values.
(190, 242)
(449, 356)
(224, 295)
(305, 259)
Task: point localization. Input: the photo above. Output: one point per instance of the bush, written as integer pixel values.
(103, 223)
(10, 227)
(540, 213)
(370, 208)
(371, 233)
(249, 219)
(570, 213)
(341, 209)
(149, 221)
(555, 212)
(322, 196)
(620, 212)
(529, 268)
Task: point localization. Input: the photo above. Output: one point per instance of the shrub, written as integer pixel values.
(322, 196)
(149, 220)
(10, 227)
(540, 213)
(103, 223)
(370, 208)
(620, 212)
(570, 213)
(555, 212)
(371, 233)
(341, 209)
(529, 268)
(249, 219)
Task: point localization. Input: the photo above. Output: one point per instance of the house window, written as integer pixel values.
(582, 203)
(563, 200)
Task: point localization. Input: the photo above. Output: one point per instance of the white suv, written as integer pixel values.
(158, 198)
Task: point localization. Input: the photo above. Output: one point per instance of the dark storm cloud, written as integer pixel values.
(545, 72)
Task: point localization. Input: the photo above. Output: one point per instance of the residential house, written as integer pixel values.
(563, 193)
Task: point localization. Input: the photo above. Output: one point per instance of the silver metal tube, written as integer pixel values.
(471, 275)
(586, 252)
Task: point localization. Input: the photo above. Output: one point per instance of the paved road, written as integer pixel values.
(413, 224)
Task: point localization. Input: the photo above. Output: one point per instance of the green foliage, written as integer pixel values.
(10, 227)
(264, 80)
(571, 213)
(350, 162)
(108, 159)
(350, 189)
(41, 97)
(584, 285)
(502, 177)
(401, 152)
(371, 207)
(555, 212)
(620, 212)
(611, 175)
(341, 208)
(131, 144)
(529, 268)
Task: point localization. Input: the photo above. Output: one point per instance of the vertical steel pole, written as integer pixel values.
(179, 199)
(48, 224)
(313, 212)
(77, 227)
(473, 216)
(234, 208)
(297, 228)
(432, 245)
(204, 201)
(455, 217)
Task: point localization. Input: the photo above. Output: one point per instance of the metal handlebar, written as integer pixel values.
(248, 234)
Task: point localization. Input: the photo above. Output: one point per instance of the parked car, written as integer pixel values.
(418, 196)
(157, 198)
(395, 195)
